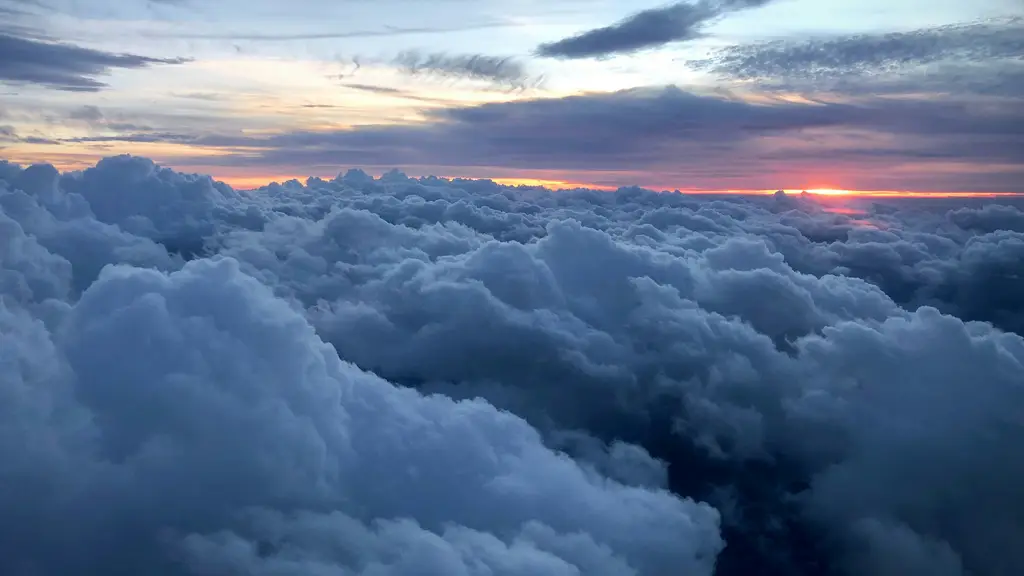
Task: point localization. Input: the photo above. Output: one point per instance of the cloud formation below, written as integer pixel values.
(646, 29)
(423, 376)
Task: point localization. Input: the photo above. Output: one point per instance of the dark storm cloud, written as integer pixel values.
(651, 28)
(195, 380)
(64, 66)
(869, 54)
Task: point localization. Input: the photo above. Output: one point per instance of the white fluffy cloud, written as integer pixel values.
(400, 376)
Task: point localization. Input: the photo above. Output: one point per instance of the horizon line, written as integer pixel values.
(557, 185)
(248, 183)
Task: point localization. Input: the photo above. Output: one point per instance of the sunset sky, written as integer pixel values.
(893, 95)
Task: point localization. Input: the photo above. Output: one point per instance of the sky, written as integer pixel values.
(713, 95)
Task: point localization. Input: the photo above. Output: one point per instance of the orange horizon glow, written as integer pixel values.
(898, 193)
(238, 180)
(826, 193)
(551, 184)
(252, 182)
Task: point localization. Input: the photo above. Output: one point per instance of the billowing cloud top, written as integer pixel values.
(425, 376)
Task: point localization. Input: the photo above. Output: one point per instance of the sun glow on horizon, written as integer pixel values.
(550, 184)
(838, 192)
(829, 192)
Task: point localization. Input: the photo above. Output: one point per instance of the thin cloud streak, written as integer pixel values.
(63, 66)
(869, 54)
(502, 71)
(647, 29)
(385, 32)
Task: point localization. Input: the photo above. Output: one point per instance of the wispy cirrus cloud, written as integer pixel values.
(399, 93)
(651, 28)
(503, 71)
(869, 54)
(63, 66)
(383, 32)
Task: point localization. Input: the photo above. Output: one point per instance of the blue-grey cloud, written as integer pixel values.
(63, 66)
(503, 71)
(869, 54)
(10, 135)
(195, 380)
(646, 29)
(89, 113)
(598, 126)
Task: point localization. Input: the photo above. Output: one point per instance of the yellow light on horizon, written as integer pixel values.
(829, 192)
(553, 184)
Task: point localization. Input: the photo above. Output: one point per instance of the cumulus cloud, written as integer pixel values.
(422, 376)
(64, 66)
(646, 29)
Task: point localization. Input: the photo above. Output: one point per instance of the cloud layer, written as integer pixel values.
(398, 376)
(666, 136)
